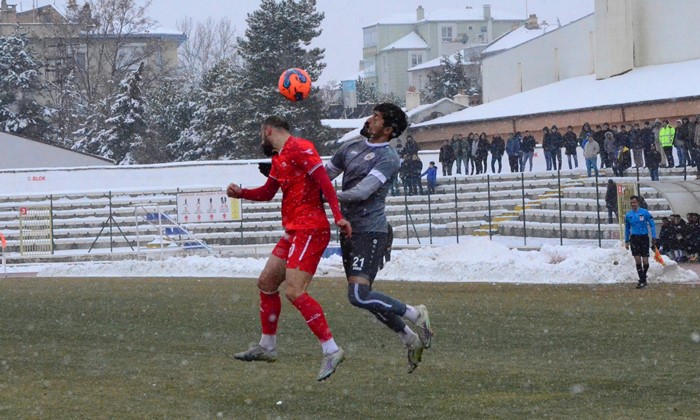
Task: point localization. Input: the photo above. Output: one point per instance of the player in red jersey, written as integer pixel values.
(299, 171)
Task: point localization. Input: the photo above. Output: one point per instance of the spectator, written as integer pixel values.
(411, 146)
(656, 130)
(665, 237)
(611, 200)
(528, 150)
(666, 136)
(458, 153)
(610, 150)
(405, 174)
(679, 138)
(696, 146)
(447, 157)
(693, 235)
(585, 131)
(415, 170)
(470, 162)
(498, 147)
(547, 148)
(623, 161)
(482, 151)
(653, 161)
(513, 150)
(599, 137)
(399, 149)
(590, 153)
(570, 144)
(637, 146)
(678, 238)
(647, 140)
(557, 143)
(431, 176)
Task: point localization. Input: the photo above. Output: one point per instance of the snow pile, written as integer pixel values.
(474, 260)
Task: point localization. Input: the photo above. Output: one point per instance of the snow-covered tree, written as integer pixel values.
(366, 92)
(277, 38)
(19, 80)
(170, 109)
(449, 80)
(125, 128)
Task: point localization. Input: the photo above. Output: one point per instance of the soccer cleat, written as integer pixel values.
(423, 322)
(414, 351)
(257, 353)
(329, 363)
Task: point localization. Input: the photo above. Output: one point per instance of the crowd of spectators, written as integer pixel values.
(647, 145)
(680, 239)
(632, 145)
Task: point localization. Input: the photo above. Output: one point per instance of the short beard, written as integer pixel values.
(268, 150)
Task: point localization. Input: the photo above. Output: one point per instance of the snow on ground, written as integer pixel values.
(474, 259)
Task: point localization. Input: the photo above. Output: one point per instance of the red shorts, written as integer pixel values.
(302, 249)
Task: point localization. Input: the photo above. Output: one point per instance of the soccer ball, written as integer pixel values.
(295, 84)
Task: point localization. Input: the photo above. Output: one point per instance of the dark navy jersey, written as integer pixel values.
(359, 159)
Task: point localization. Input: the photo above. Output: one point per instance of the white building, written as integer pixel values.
(22, 153)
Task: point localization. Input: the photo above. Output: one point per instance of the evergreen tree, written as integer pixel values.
(124, 129)
(277, 38)
(221, 104)
(19, 80)
(366, 92)
(170, 110)
(449, 80)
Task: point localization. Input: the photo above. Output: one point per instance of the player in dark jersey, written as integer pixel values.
(368, 167)
(296, 169)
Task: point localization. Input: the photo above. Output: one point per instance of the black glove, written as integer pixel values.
(264, 168)
(654, 243)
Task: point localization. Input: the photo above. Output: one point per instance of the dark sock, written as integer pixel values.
(640, 273)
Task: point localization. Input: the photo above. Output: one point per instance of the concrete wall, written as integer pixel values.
(621, 35)
(666, 31)
(18, 152)
(614, 53)
(561, 54)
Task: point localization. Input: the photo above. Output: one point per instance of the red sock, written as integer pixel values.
(313, 314)
(270, 308)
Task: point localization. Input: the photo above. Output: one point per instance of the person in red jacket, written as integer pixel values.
(298, 170)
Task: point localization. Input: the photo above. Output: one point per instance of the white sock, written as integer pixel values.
(329, 346)
(411, 314)
(407, 336)
(269, 342)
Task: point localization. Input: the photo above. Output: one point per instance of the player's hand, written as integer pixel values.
(234, 191)
(345, 227)
(627, 245)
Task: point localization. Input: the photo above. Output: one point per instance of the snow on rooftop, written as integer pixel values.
(437, 62)
(412, 41)
(522, 34)
(516, 37)
(651, 83)
(450, 15)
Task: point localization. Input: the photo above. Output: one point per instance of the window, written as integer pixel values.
(483, 29)
(370, 37)
(446, 33)
(80, 60)
(416, 59)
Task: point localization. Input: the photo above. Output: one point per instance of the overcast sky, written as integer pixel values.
(342, 27)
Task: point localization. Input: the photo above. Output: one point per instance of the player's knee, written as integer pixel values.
(357, 294)
(292, 293)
